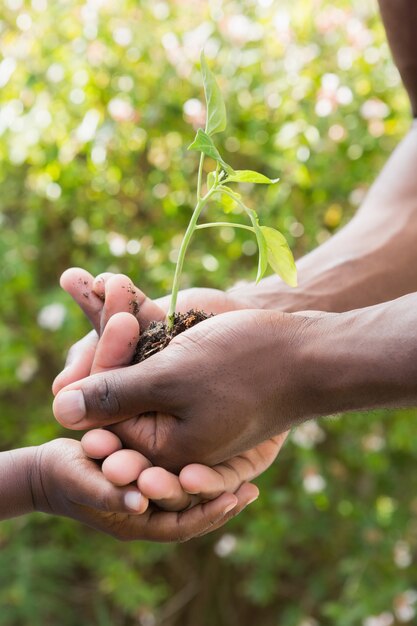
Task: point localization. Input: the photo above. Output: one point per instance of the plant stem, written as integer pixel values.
(262, 262)
(231, 224)
(200, 176)
(201, 202)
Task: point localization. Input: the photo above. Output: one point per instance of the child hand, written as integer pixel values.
(63, 481)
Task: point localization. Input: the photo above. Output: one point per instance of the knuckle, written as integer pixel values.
(104, 396)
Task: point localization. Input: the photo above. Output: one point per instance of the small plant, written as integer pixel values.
(273, 248)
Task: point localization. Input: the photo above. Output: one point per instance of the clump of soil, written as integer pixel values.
(157, 336)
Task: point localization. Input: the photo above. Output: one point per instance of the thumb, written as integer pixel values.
(117, 343)
(114, 396)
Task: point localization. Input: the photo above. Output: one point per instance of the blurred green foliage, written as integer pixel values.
(97, 104)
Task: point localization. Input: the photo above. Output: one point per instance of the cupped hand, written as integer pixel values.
(216, 391)
(120, 294)
(65, 482)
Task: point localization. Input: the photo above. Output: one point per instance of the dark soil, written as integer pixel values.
(157, 336)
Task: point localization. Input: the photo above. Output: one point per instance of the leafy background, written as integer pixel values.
(98, 101)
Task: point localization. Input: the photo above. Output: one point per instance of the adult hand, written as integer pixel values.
(217, 390)
(206, 482)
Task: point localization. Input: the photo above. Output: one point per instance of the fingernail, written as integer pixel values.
(133, 500)
(253, 500)
(69, 407)
(229, 507)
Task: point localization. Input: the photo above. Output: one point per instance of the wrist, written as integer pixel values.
(273, 294)
(16, 496)
(361, 360)
(39, 478)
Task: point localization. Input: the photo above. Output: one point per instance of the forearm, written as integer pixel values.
(400, 20)
(16, 468)
(370, 260)
(360, 360)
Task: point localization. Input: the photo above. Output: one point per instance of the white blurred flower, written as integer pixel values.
(53, 191)
(121, 110)
(122, 36)
(133, 246)
(282, 23)
(373, 442)
(55, 73)
(357, 196)
(345, 57)
(344, 95)
(384, 619)
(309, 621)
(374, 109)
(194, 112)
(98, 154)
(117, 244)
(52, 316)
(307, 435)
(402, 555)
(210, 263)
(24, 21)
(77, 95)
(241, 29)
(330, 83)
(324, 107)
(313, 482)
(405, 613)
(7, 67)
(331, 18)
(337, 132)
(27, 369)
(358, 34)
(226, 545)
(87, 129)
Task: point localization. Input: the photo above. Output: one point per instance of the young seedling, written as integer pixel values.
(273, 247)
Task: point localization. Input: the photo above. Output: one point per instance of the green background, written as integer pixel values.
(94, 172)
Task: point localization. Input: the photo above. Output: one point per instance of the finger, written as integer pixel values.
(79, 284)
(200, 519)
(79, 362)
(96, 492)
(99, 443)
(164, 489)
(246, 494)
(122, 295)
(114, 396)
(117, 344)
(99, 284)
(124, 467)
(210, 482)
(162, 526)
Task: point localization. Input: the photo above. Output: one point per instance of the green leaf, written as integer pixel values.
(216, 109)
(248, 176)
(263, 251)
(204, 143)
(228, 200)
(280, 257)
